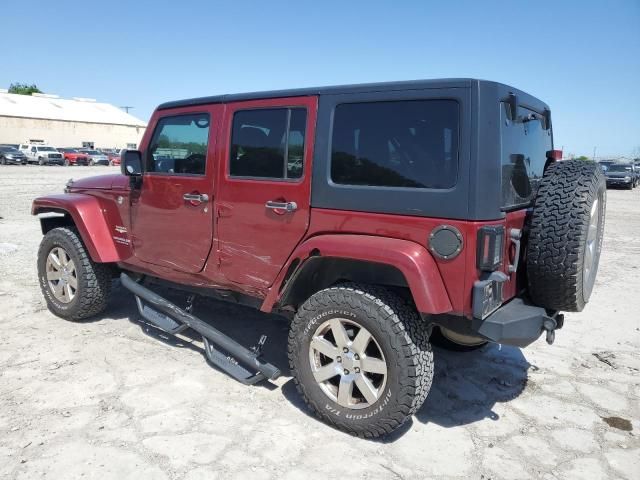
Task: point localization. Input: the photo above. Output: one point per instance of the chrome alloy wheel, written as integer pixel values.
(347, 363)
(592, 254)
(61, 275)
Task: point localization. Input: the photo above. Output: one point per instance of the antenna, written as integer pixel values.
(126, 108)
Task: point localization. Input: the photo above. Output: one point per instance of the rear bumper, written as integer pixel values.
(517, 323)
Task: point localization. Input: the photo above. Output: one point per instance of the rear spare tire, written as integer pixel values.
(565, 238)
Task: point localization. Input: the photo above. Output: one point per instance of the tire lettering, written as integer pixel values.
(333, 410)
(377, 410)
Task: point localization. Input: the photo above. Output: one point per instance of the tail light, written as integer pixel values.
(490, 248)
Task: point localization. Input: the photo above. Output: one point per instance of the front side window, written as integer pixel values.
(412, 143)
(525, 143)
(179, 145)
(268, 143)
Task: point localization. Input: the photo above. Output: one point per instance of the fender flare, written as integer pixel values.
(88, 217)
(411, 259)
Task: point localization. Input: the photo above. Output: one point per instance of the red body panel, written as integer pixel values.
(412, 259)
(92, 216)
(457, 275)
(166, 230)
(254, 242)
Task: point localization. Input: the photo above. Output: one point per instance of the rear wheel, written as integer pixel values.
(74, 286)
(40, 161)
(66, 162)
(565, 238)
(361, 358)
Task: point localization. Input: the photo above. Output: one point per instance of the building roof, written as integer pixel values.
(52, 107)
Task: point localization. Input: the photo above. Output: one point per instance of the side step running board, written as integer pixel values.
(237, 362)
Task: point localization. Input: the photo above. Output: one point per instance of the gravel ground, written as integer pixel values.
(114, 399)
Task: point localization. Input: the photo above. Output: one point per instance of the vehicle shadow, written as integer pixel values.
(466, 385)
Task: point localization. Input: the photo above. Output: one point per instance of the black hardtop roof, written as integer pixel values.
(331, 90)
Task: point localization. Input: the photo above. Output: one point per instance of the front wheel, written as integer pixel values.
(66, 162)
(361, 358)
(40, 161)
(74, 286)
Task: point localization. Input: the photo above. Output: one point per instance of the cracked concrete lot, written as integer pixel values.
(112, 398)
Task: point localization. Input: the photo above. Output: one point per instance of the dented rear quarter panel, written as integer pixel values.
(456, 276)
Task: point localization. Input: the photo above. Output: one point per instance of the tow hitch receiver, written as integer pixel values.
(550, 325)
(243, 364)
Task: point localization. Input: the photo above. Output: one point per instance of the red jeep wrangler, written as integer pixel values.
(377, 217)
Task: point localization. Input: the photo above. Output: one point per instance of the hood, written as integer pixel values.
(103, 182)
(618, 174)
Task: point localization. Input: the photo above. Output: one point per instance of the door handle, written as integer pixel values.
(288, 207)
(195, 197)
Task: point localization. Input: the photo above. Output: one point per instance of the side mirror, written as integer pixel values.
(131, 163)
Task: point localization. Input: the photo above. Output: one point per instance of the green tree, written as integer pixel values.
(583, 158)
(23, 88)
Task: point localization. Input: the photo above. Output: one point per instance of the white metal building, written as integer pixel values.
(60, 122)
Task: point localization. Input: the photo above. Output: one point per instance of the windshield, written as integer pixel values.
(68, 150)
(93, 152)
(9, 150)
(620, 168)
(524, 143)
(46, 149)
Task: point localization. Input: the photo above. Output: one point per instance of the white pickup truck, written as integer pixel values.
(41, 154)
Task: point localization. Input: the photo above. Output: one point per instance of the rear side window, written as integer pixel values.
(525, 143)
(268, 143)
(179, 145)
(412, 143)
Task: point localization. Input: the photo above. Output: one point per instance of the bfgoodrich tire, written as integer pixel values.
(361, 358)
(565, 238)
(74, 286)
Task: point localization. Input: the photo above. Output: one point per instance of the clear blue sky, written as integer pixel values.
(581, 57)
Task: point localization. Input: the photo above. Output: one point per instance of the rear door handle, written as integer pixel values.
(288, 207)
(195, 197)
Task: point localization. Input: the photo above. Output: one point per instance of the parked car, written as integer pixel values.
(114, 158)
(621, 175)
(410, 224)
(95, 157)
(41, 154)
(636, 170)
(11, 155)
(74, 157)
(605, 164)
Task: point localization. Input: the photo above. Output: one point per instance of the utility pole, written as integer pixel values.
(126, 108)
(594, 153)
